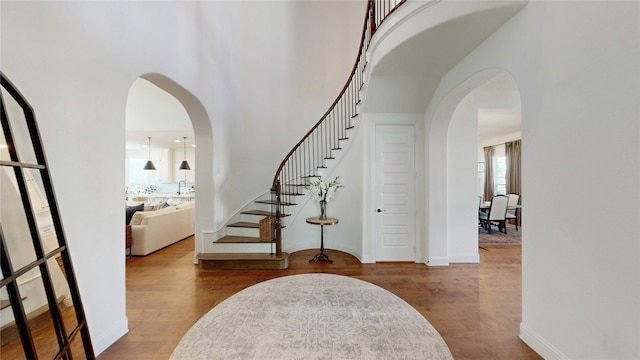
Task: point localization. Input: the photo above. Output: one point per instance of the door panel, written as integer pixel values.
(395, 193)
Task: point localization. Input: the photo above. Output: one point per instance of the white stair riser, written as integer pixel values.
(248, 218)
(263, 207)
(256, 219)
(241, 231)
(242, 248)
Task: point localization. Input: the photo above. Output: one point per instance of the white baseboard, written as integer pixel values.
(539, 344)
(119, 329)
(438, 261)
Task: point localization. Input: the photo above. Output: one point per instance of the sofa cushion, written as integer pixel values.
(186, 205)
(132, 210)
(160, 206)
(137, 218)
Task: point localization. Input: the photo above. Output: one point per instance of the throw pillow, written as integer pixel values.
(132, 210)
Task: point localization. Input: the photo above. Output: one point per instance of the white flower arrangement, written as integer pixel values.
(323, 191)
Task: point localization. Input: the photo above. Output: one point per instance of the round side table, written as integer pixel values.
(322, 222)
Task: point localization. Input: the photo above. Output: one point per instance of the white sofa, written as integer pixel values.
(153, 230)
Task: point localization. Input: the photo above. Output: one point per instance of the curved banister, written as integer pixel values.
(310, 153)
(333, 105)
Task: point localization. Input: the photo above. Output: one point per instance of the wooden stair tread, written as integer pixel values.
(245, 224)
(240, 256)
(233, 239)
(261, 213)
(273, 202)
(229, 261)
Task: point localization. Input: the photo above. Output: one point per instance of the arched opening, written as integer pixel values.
(176, 115)
(158, 129)
(452, 163)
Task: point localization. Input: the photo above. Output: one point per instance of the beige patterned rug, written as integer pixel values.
(512, 237)
(312, 316)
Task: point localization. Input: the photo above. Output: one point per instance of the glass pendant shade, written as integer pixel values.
(149, 165)
(184, 165)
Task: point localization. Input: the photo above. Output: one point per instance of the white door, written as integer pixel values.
(395, 193)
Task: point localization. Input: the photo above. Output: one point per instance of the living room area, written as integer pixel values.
(159, 168)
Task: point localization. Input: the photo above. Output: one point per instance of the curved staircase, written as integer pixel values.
(253, 237)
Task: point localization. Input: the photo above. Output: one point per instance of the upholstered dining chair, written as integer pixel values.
(497, 214)
(512, 214)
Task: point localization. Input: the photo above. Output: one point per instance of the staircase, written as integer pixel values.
(249, 241)
(253, 238)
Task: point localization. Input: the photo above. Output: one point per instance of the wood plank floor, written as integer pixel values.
(475, 307)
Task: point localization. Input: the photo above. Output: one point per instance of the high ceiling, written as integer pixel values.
(499, 110)
(152, 112)
(414, 68)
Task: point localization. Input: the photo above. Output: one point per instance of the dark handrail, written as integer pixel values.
(325, 135)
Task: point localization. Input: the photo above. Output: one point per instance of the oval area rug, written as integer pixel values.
(312, 316)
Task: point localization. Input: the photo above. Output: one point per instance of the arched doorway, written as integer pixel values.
(452, 157)
(201, 160)
(158, 129)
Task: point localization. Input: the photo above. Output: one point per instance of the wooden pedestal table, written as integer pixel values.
(322, 222)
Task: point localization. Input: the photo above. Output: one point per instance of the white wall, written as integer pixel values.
(578, 74)
(575, 63)
(462, 214)
(246, 63)
(346, 206)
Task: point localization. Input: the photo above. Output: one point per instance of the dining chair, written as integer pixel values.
(497, 214)
(512, 214)
(480, 212)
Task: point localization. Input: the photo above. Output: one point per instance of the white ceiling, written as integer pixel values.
(499, 110)
(152, 112)
(416, 67)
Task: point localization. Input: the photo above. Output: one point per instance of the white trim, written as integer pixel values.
(27, 279)
(539, 344)
(111, 336)
(366, 260)
(438, 261)
(383, 119)
(208, 237)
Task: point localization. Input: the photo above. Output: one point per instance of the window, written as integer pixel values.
(499, 171)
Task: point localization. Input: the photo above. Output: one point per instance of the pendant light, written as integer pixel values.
(184, 165)
(149, 165)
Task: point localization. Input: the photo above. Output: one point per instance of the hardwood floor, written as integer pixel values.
(475, 307)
